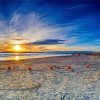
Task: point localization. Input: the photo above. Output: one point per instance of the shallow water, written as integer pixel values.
(18, 56)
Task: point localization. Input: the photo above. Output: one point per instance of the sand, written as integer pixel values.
(43, 82)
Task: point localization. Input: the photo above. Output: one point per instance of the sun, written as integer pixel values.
(17, 48)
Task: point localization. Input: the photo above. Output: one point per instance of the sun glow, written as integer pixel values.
(17, 48)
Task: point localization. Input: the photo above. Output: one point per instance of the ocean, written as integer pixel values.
(18, 56)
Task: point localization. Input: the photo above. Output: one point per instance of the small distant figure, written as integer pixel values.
(69, 68)
(51, 68)
(9, 68)
(79, 54)
(88, 66)
(30, 68)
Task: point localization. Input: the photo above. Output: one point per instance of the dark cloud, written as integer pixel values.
(43, 48)
(49, 42)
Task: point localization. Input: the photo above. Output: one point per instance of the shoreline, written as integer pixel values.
(30, 59)
(35, 58)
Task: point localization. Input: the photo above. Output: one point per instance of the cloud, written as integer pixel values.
(33, 27)
(48, 42)
(40, 24)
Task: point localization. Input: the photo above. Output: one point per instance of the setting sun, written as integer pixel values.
(17, 48)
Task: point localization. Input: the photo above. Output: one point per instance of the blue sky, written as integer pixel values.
(73, 24)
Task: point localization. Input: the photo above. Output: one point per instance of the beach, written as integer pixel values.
(51, 78)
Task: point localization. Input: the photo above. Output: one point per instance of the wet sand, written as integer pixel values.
(79, 82)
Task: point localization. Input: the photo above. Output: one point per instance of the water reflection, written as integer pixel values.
(17, 58)
(20, 56)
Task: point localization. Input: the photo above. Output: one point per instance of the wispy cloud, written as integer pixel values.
(33, 28)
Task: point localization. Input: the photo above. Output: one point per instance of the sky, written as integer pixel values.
(50, 25)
